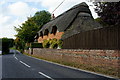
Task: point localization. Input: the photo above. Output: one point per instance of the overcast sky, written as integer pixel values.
(15, 12)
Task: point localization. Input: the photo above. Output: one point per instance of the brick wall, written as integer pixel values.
(91, 57)
(50, 36)
(104, 59)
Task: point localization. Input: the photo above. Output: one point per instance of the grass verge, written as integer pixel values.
(98, 69)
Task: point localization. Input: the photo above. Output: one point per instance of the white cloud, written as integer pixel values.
(13, 15)
(2, 2)
(21, 9)
(8, 29)
(4, 20)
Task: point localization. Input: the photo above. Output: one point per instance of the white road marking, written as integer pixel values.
(16, 58)
(14, 55)
(45, 75)
(25, 64)
(73, 67)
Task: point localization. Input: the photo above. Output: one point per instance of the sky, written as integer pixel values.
(15, 12)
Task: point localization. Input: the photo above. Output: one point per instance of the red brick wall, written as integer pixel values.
(104, 59)
(50, 36)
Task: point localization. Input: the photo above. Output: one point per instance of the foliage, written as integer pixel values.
(99, 20)
(11, 42)
(109, 12)
(46, 44)
(60, 43)
(6, 44)
(42, 18)
(52, 43)
(28, 29)
(19, 44)
(36, 45)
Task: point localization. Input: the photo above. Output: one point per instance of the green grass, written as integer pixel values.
(13, 48)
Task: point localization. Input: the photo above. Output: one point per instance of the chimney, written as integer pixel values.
(52, 16)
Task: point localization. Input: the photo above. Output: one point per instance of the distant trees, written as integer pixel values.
(6, 44)
(109, 12)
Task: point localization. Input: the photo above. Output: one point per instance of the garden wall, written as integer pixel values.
(108, 60)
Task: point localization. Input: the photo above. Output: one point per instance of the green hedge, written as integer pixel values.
(36, 45)
(5, 46)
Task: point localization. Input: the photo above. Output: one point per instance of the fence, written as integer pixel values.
(103, 38)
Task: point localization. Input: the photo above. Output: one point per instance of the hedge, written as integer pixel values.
(36, 45)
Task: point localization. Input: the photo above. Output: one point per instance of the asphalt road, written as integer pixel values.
(19, 66)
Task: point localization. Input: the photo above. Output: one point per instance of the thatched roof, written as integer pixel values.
(81, 24)
(71, 22)
(64, 20)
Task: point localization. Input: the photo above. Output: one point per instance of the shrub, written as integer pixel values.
(53, 43)
(36, 45)
(46, 44)
(60, 43)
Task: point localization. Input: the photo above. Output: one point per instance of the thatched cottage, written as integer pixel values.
(75, 20)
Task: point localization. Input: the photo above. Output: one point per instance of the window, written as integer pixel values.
(46, 32)
(41, 34)
(54, 30)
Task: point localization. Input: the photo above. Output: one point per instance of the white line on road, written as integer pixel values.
(25, 64)
(45, 75)
(14, 55)
(72, 67)
(16, 58)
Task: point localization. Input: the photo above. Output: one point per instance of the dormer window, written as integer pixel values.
(54, 30)
(46, 32)
(41, 34)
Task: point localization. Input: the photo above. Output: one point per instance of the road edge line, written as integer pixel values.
(74, 68)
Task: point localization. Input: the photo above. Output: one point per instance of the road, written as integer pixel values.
(18, 66)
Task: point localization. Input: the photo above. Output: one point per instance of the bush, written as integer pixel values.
(52, 43)
(36, 45)
(60, 43)
(46, 44)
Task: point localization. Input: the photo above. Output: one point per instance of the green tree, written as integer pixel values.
(29, 28)
(19, 44)
(6, 44)
(27, 31)
(109, 12)
(41, 18)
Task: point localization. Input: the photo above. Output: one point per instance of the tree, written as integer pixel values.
(19, 44)
(27, 31)
(42, 18)
(6, 44)
(109, 12)
(29, 28)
